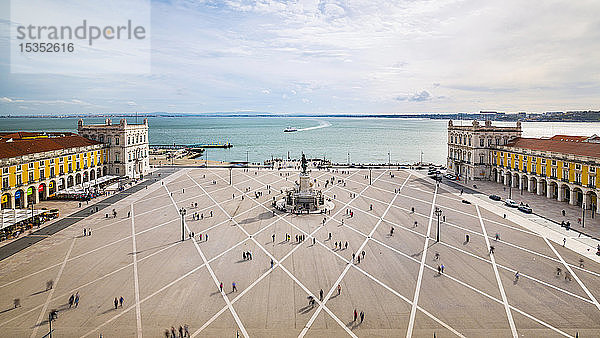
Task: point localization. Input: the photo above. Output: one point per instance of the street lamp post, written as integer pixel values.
(370, 181)
(229, 176)
(438, 213)
(182, 212)
(247, 163)
(389, 160)
(583, 215)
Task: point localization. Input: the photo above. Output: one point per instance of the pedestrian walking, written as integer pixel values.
(439, 270)
(516, 276)
(173, 333)
(362, 316)
(330, 236)
(71, 300)
(273, 238)
(355, 314)
(233, 287)
(497, 236)
(564, 241)
(392, 232)
(186, 330)
(339, 289)
(442, 268)
(116, 303)
(353, 256)
(84, 232)
(359, 259)
(467, 238)
(491, 249)
(17, 302)
(321, 295)
(77, 299)
(221, 287)
(49, 284)
(363, 254)
(314, 240)
(271, 263)
(180, 331)
(121, 299)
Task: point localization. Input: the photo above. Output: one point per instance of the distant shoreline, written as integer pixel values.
(578, 116)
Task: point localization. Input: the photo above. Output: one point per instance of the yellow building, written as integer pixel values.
(561, 167)
(34, 166)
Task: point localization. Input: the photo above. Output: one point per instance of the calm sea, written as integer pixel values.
(363, 140)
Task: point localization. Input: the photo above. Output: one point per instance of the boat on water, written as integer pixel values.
(290, 130)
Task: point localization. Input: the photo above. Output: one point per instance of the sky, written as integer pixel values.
(338, 56)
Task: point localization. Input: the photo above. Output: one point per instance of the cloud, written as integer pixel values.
(443, 55)
(131, 103)
(416, 97)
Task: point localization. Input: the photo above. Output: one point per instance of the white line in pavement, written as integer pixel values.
(499, 301)
(337, 282)
(392, 290)
(415, 301)
(135, 277)
(277, 264)
(212, 273)
(89, 283)
(573, 274)
(45, 307)
(281, 266)
(511, 322)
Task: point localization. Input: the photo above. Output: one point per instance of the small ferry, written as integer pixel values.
(290, 130)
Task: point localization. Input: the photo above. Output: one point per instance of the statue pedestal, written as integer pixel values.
(305, 185)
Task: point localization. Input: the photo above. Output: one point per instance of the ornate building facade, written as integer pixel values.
(127, 146)
(560, 167)
(37, 165)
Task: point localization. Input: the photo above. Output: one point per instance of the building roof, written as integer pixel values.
(16, 144)
(569, 138)
(558, 144)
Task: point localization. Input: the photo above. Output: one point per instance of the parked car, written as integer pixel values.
(495, 197)
(525, 208)
(511, 203)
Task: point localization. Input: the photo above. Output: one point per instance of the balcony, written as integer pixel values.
(592, 186)
(577, 183)
(565, 180)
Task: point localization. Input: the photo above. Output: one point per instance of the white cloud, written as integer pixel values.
(373, 55)
(6, 99)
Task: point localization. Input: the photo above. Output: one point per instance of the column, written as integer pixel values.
(561, 193)
(572, 197)
(548, 190)
(586, 200)
(540, 187)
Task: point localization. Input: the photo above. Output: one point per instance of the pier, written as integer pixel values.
(191, 146)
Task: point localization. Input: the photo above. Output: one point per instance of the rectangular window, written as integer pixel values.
(19, 180)
(30, 176)
(592, 169)
(30, 165)
(51, 171)
(5, 184)
(554, 172)
(117, 170)
(578, 167)
(592, 181)
(553, 162)
(117, 140)
(543, 161)
(481, 141)
(578, 178)
(5, 170)
(70, 167)
(42, 176)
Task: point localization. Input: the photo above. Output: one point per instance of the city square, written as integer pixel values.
(376, 252)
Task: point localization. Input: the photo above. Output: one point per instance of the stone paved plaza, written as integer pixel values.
(166, 282)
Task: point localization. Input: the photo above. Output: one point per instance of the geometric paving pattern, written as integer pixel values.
(396, 285)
